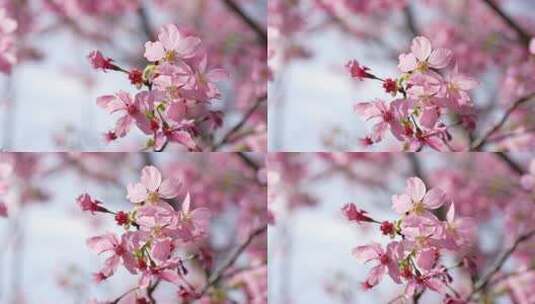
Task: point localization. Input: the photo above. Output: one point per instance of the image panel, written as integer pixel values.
(133, 228)
(133, 75)
(401, 228)
(388, 76)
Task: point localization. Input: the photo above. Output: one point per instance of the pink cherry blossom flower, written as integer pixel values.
(357, 71)
(152, 187)
(193, 223)
(417, 199)
(172, 45)
(388, 261)
(130, 108)
(109, 243)
(458, 232)
(87, 203)
(98, 61)
(532, 46)
(423, 56)
(352, 213)
(380, 111)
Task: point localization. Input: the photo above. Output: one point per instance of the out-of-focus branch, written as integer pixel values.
(411, 22)
(216, 276)
(261, 33)
(248, 161)
(511, 163)
(522, 34)
(228, 136)
(499, 263)
(145, 22)
(478, 145)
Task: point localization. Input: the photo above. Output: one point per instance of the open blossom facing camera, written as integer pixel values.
(155, 237)
(177, 88)
(423, 94)
(418, 241)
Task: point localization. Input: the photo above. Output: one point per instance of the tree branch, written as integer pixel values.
(228, 136)
(511, 163)
(216, 276)
(499, 263)
(259, 30)
(523, 35)
(478, 145)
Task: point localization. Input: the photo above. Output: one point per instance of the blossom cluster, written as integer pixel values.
(428, 88)
(8, 51)
(176, 89)
(418, 241)
(156, 238)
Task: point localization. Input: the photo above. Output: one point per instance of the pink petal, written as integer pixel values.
(169, 188)
(367, 109)
(465, 83)
(170, 37)
(102, 243)
(429, 117)
(137, 193)
(421, 48)
(188, 47)
(186, 204)
(367, 253)
(415, 189)
(161, 250)
(151, 178)
(440, 58)
(154, 51)
(434, 198)
(177, 111)
(407, 62)
(170, 276)
(426, 258)
(376, 274)
(401, 203)
(532, 46)
(122, 126)
(450, 216)
(110, 103)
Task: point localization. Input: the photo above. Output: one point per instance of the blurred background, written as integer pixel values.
(48, 102)
(310, 242)
(312, 95)
(44, 257)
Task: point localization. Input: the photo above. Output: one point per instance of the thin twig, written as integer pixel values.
(260, 31)
(478, 145)
(247, 161)
(523, 35)
(511, 163)
(216, 276)
(228, 136)
(499, 263)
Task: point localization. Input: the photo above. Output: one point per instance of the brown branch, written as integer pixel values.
(260, 31)
(478, 145)
(145, 22)
(248, 161)
(511, 163)
(216, 276)
(228, 136)
(411, 22)
(523, 35)
(499, 263)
